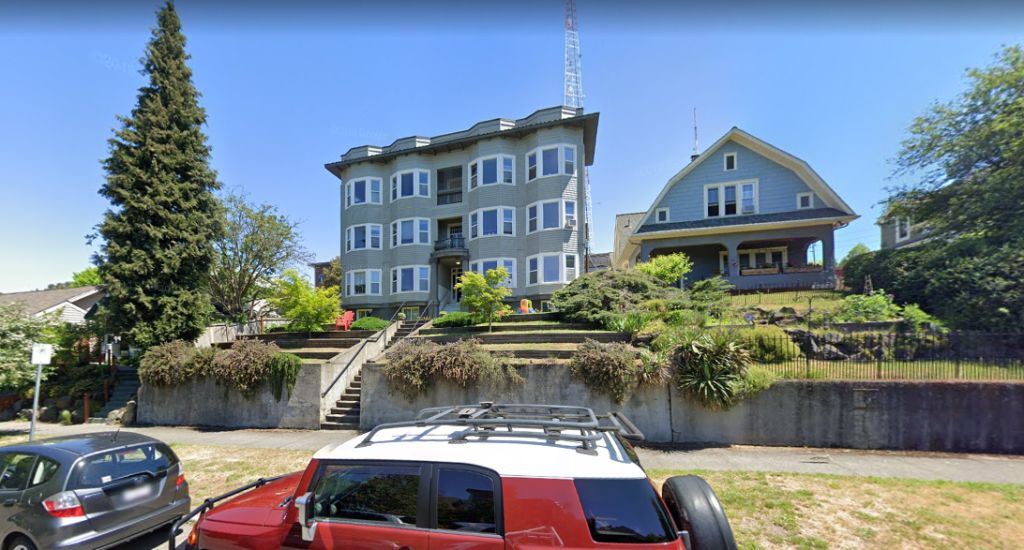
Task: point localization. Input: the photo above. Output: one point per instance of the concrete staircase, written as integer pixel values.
(313, 346)
(344, 415)
(126, 387)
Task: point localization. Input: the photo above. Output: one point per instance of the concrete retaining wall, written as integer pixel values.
(203, 403)
(937, 416)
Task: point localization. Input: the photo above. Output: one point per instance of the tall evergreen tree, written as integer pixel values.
(156, 252)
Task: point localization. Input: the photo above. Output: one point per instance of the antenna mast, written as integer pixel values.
(574, 98)
(696, 147)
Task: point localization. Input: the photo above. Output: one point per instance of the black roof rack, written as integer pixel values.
(484, 420)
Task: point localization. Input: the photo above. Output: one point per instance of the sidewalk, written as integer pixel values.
(910, 465)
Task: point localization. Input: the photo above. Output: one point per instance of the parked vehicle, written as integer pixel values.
(88, 492)
(477, 477)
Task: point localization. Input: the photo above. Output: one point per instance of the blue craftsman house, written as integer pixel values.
(746, 210)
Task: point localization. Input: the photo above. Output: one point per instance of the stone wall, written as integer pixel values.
(203, 403)
(938, 416)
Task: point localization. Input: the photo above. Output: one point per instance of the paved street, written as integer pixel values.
(911, 465)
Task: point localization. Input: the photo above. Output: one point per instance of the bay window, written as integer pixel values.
(553, 160)
(553, 214)
(483, 266)
(488, 222)
(361, 237)
(411, 278)
(492, 170)
(362, 191)
(730, 199)
(551, 268)
(410, 183)
(364, 282)
(410, 231)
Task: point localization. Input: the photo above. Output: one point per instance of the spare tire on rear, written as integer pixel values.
(696, 509)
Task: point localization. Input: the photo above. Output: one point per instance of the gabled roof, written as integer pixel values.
(769, 151)
(38, 301)
(756, 219)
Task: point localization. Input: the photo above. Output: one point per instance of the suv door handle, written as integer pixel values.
(10, 502)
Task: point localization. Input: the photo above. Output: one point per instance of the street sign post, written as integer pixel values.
(41, 354)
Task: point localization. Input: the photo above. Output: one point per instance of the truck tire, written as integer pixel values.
(695, 509)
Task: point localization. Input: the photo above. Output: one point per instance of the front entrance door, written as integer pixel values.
(454, 230)
(456, 275)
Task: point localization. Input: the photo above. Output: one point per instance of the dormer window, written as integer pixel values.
(661, 215)
(730, 162)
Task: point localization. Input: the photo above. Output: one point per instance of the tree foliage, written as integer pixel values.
(857, 250)
(309, 308)
(257, 244)
(156, 251)
(969, 153)
(88, 277)
(484, 293)
(332, 275)
(599, 296)
(669, 268)
(19, 329)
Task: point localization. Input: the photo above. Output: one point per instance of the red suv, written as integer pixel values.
(479, 477)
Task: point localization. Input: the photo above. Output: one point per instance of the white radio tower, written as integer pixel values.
(574, 98)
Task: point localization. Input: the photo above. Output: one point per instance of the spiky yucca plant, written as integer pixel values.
(708, 366)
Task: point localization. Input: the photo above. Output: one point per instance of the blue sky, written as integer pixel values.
(289, 88)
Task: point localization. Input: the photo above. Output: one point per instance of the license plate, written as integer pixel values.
(137, 493)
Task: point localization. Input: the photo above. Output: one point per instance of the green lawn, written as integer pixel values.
(895, 370)
(770, 511)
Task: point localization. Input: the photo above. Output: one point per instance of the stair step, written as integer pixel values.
(344, 411)
(338, 426)
(343, 418)
(348, 399)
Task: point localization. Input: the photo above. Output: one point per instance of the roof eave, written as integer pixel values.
(637, 238)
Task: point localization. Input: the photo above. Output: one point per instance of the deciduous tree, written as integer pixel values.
(857, 250)
(157, 238)
(484, 293)
(669, 268)
(309, 308)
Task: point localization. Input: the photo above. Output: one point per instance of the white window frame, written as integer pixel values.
(561, 268)
(810, 203)
(738, 184)
(350, 193)
(477, 267)
(725, 162)
(479, 213)
(904, 222)
(350, 282)
(396, 184)
(350, 234)
(396, 230)
(540, 216)
(478, 163)
(361, 313)
(723, 256)
(657, 215)
(396, 279)
(559, 169)
(566, 216)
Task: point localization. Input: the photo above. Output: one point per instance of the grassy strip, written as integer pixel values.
(894, 370)
(213, 471)
(774, 511)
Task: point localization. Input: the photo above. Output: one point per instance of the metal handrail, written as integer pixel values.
(450, 243)
(376, 338)
(208, 505)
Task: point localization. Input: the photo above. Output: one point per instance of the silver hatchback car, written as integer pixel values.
(88, 492)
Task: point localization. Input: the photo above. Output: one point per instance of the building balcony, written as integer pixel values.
(452, 246)
(449, 198)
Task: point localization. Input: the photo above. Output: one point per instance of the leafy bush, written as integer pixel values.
(753, 381)
(167, 364)
(686, 318)
(456, 319)
(243, 366)
(370, 323)
(708, 366)
(598, 296)
(631, 322)
(282, 372)
(669, 268)
(309, 308)
(654, 368)
(915, 318)
(607, 368)
(19, 329)
(858, 308)
(711, 295)
(414, 365)
(769, 345)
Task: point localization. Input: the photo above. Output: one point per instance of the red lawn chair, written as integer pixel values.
(345, 321)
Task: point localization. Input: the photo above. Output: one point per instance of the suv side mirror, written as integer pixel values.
(305, 507)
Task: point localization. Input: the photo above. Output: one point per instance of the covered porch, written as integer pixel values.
(756, 259)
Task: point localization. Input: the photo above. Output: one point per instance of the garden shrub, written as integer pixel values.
(753, 381)
(769, 345)
(858, 308)
(686, 318)
(610, 368)
(282, 373)
(631, 322)
(243, 366)
(457, 319)
(654, 368)
(414, 365)
(708, 366)
(166, 364)
(915, 318)
(370, 323)
(595, 297)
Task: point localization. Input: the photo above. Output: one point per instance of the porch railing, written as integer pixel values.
(450, 243)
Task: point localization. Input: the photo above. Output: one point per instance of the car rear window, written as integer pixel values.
(102, 468)
(624, 511)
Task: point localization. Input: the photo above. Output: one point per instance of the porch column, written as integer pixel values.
(734, 258)
(828, 253)
(435, 268)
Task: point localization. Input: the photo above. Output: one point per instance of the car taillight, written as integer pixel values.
(64, 505)
(181, 479)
